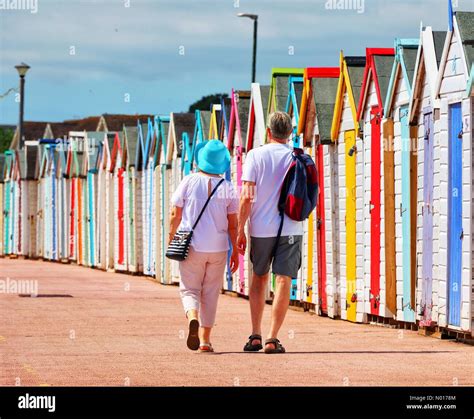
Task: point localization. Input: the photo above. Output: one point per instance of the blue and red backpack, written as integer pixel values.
(299, 192)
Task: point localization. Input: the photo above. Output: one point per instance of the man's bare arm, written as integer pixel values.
(245, 206)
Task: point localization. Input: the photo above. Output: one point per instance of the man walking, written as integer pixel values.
(263, 175)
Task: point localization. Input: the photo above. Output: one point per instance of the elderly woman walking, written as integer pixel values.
(206, 204)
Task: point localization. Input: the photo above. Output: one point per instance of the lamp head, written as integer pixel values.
(22, 69)
(249, 15)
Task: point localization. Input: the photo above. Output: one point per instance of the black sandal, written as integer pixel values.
(249, 347)
(193, 335)
(279, 349)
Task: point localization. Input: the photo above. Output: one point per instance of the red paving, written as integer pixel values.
(127, 330)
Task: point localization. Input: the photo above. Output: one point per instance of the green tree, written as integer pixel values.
(6, 137)
(205, 103)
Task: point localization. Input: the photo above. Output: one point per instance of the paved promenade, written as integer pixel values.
(116, 329)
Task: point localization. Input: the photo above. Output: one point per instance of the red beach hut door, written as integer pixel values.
(375, 212)
(321, 234)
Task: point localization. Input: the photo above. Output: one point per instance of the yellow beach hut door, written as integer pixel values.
(351, 297)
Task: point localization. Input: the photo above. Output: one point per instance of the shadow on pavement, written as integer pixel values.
(336, 352)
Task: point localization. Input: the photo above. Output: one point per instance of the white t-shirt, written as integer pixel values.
(267, 167)
(211, 233)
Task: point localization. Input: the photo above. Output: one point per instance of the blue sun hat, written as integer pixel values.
(212, 157)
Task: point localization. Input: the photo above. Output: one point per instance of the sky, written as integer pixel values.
(90, 57)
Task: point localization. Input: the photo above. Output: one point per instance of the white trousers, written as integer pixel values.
(202, 276)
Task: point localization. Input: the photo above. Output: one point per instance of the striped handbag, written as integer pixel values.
(178, 248)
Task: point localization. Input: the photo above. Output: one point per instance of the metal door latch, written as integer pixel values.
(402, 210)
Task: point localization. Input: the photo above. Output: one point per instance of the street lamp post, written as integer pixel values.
(22, 70)
(254, 56)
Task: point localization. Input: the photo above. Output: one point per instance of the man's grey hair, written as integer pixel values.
(280, 125)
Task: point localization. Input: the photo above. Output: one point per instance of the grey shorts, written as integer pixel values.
(287, 260)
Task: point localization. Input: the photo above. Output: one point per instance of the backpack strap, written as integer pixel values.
(280, 229)
(281, 209)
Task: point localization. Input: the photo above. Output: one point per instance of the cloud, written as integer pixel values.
(139, 45)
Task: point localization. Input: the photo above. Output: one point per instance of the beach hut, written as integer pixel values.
(378, 68)
(206, 117)
(146, 132)
(314, 129)
(174, 160)
(40, 203)
(82, 199)
(7, 205)
(292, 107)
(116, 168)
(106, 201)
(343, 188)
(105, 205)
(257, 128)
(216, 120)
(63, 190)
(75, 156)
(453, 156)
(226, 105)
(158, 141)
(2, 200)
(238, 124)
(257, 117)
(29, 198)
(16, 195)
(283, 97)
(19, 200)
(48, 180)
(77, 173)
(131, 144)
(401, 184)
(102, 200)
(52, 181)
(279, 87)
(424, 113)
(93, 147)
(162, 127)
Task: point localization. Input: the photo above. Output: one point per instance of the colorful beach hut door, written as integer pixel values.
(455, 230)
(321, 234)
(72, 220)
(405, 210)
(131, 208)
(54, 224)
(351, 296)
(120, 216)
(375, 212)
(91, 217)
(235, 128)
(8, 215)
(428, 171)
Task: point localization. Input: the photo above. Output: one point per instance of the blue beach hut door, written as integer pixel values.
(408, 313)
(455, 230)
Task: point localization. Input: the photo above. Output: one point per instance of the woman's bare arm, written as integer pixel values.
(175, 220)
